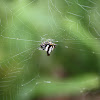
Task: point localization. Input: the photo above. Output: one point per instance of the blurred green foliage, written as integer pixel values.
(74, 65)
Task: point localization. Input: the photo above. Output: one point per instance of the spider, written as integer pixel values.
(48, 46)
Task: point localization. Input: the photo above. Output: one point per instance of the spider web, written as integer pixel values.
(24, 24)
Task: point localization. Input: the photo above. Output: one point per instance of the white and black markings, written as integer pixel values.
(48, 47)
